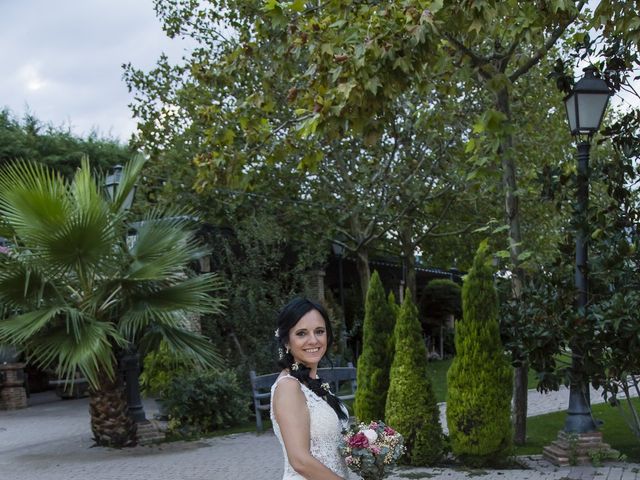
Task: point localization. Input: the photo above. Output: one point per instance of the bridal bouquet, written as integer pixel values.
(371, 450)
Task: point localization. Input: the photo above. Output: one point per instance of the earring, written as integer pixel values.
(287, 349)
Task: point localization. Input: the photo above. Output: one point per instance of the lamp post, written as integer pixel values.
(130, 358)
(338, 250)
(585, 107)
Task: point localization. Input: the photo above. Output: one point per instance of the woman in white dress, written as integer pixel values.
(307, 418)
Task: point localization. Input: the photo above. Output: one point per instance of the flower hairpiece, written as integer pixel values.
(325, 386)
(295, 367)
(276, 334)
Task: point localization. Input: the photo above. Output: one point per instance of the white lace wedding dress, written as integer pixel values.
(326, 428)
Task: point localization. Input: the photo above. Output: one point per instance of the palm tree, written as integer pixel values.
(77, 294)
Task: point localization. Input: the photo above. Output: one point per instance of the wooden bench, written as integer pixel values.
(337, 376)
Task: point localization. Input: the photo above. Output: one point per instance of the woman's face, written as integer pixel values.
(308, 339)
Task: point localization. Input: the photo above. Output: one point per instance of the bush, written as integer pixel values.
(375, 360)
(159, 369)
(440, 298)
(411, 404)
(206, 400)
(480, 377)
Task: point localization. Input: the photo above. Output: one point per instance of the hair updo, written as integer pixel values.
(288, 318)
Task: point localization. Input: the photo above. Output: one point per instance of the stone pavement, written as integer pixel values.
(51, 440)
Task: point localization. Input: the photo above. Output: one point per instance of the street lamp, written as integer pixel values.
(585, 106)
(338, 250)
(130, 358)
(111, 186)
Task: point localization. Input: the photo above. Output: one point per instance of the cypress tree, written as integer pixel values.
(411, 404)
(375, 360)
(480, 379)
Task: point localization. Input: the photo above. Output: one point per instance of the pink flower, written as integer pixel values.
(389, 431)
(371, 435)
(348, 460)
(374, 449)
(373, 425)
(359, 440)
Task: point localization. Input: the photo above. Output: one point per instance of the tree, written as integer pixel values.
(54, 146)
(411, 404)
(479, 380)
(375, 361)
(77, 294)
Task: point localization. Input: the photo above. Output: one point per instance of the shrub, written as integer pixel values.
(206, 400)
(375, 360)
(480, 378)
(411, 404)
(159, 369)
(441, 297)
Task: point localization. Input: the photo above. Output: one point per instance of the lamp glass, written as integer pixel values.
(591, 107)
(338, 249)
(570, 105)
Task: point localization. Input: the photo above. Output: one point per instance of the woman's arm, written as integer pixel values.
(292, 414)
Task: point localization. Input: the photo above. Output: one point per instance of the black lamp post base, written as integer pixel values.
(578, 449)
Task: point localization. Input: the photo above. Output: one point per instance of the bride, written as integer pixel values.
(307, 418)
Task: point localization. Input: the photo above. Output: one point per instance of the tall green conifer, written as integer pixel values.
(375, 361)
(480, 378)
(411, 404)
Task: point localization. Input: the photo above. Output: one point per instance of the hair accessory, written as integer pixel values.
(276, 334)
(295, 367)
(326, 386)
(280, 353)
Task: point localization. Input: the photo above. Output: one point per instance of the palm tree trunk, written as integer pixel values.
(110, 421)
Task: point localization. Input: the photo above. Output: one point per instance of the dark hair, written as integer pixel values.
(288, 318)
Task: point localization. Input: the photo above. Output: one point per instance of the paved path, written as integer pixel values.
(539, 403)
(52, 441)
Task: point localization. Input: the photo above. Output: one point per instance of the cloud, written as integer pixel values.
(64, 59)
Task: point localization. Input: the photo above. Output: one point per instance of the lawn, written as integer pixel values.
(543, 429)
(437, 370)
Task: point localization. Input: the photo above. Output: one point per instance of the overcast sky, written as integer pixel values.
(61, 59)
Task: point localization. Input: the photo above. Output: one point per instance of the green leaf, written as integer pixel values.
(373, 84)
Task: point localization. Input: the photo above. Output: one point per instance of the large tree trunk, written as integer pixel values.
(408, 247)
(512, 210)
(364, 272)
(110, 421)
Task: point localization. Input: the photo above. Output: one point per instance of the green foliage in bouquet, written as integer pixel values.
(375, 360)
(411, 404)
(480, 377)
(206, 400)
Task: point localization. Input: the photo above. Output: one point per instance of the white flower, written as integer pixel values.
(371, 435)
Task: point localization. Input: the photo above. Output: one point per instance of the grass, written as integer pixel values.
(438, 375)
(543, 429)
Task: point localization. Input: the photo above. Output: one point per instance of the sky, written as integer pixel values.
(61, 60)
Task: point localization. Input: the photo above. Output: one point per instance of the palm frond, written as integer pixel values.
(163, 247)
(193, 294)
(189, 344)
(33, 200)
(89, 350)
(130, 175)
(18, 329)
(170, 304)
(22, 287)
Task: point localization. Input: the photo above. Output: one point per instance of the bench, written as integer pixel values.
(337, 376)
(77, 388)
